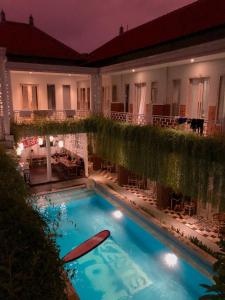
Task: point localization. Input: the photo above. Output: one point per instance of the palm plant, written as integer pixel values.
(217, 290)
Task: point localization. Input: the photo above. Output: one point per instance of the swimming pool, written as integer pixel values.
(131, 264)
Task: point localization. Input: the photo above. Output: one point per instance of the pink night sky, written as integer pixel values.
(87, 24)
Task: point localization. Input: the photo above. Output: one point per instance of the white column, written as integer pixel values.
(96, 93)
(4, 94)
(48, 156)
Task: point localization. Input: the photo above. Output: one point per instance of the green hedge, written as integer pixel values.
(186, 162)
(30, 267)
(52, 127)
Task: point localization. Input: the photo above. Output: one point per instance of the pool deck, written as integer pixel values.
(55, 186)
(130, 197)
(150, 210)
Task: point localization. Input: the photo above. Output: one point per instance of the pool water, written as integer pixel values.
(131, 264)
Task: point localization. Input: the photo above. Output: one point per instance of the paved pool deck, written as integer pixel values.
(150, 210)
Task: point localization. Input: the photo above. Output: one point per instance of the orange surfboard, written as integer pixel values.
(87, 246)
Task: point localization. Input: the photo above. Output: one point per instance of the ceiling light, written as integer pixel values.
(192, 60)
(133, 70)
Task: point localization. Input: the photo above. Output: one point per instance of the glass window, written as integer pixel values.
(154, 91)
(221, 106)
(29, 97)
(114, 93)
(66, 97)
(176, 97)
(51, 96)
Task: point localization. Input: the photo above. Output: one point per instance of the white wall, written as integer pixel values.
(18, 78)
(213, 70)
(165, 76)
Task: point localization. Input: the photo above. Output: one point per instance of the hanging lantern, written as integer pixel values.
(60, 144)
(40, 141)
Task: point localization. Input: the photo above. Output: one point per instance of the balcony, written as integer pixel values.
(28, 116)
(179, 123)
(208, 127)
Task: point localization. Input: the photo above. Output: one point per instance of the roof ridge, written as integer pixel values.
(152, 20)
(43, 32)
(195, 18)
(34, 42)
(52, 37)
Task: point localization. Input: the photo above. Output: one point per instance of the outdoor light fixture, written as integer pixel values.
(18, 151)
(171, 260)
(21, 146)
(51, 138)
(60, 144)
(133, 70)
(117, 214)
(192, 60)
(40, 141)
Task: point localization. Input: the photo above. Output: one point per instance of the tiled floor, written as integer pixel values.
(146, 195)
(204, 227)
(39, 175)
(108, 175)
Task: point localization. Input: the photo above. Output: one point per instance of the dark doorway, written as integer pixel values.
(127, 97)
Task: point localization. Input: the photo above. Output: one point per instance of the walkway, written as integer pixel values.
(145, 201)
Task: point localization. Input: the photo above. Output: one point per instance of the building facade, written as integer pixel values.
(147, 75)
(169, 72)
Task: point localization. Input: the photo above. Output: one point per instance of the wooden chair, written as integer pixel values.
(132, 180)
(190, 207)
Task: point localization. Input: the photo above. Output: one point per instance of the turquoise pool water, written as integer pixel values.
(131, 264)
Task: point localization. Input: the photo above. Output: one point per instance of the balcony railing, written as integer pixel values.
(209, 127)
(130, 118)
(54, 115)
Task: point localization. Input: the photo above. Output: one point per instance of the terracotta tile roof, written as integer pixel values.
(188, 20)
(23, 40)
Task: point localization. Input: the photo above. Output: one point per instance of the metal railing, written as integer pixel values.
(20, 116)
